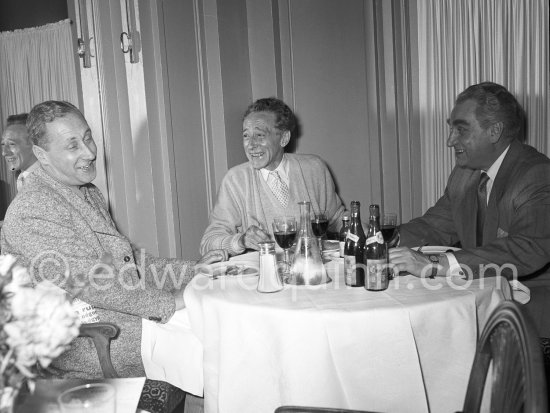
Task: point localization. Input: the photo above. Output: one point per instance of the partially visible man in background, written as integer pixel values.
(17, 148)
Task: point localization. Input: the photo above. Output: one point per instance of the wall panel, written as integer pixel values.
(345, 69)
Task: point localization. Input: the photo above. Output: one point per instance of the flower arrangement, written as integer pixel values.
(37, 324)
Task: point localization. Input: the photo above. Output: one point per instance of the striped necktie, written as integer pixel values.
(481, 207)
(278, 187)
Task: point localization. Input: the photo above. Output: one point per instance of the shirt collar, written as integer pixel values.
(31, 168)
(493, 170)
(282, 169)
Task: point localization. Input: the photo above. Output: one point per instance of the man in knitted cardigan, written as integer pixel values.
(270, 184)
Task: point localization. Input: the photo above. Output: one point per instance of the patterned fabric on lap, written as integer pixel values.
(160, 397)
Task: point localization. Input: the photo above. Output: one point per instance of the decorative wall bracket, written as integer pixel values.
(83, 42)
(129, 40)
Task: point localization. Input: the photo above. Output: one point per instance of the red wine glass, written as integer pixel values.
(389, 232)
(319, 225)
(284, 230)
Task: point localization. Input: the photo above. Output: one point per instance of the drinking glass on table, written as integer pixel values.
(389, 231)
(284, 230)
(88, 398)
(319, 225)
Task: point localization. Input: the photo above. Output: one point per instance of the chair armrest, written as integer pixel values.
(101, 335)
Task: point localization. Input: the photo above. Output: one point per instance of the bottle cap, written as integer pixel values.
(267, 247)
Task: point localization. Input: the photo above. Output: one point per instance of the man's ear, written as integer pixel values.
(40, 154)
(286, 138)
(495, 131)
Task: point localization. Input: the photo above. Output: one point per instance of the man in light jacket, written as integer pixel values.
(59, 226)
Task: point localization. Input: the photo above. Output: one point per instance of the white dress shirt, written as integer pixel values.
(281, 169)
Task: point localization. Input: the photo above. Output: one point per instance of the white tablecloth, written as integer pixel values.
(407, 349)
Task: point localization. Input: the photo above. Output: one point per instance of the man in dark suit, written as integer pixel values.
(496, 205)
(509, 225)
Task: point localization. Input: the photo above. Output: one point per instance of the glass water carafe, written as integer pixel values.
(307, 267)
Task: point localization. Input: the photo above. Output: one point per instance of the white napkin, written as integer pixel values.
(520, 292)
(182, 368)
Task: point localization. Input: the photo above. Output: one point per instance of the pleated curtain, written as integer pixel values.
(36, 64)
(462, 42)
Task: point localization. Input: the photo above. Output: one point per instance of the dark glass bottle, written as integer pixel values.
(354, 249)
(343, 233)
(376, 277)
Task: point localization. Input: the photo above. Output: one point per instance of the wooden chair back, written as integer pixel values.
(509, 345)
(101, 335)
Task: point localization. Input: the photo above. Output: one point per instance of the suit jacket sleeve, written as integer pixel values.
(520, 244)
(169, 274)
(525, 247)
(435, 227)
(56, 248)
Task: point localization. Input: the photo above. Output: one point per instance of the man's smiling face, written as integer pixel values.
(17, 148)
(263, 143)
(471, 142)
(71, 151)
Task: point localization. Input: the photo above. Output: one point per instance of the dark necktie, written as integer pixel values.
(481, 207)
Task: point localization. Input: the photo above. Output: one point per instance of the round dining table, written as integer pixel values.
(409, 348)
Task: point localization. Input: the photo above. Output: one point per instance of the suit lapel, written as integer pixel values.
(504, 174)
(468, 211)
(91, 214)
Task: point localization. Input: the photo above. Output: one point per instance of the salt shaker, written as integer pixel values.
(269, 280)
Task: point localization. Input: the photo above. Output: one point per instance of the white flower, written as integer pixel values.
(20, 275)
(6, 262)
(44, 324)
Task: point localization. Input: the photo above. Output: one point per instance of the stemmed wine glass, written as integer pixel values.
(284, 229)
(319, 225)
(389, 231)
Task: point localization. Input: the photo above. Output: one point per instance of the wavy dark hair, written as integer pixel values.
(46, 112)
(284, 117)
(19, 119)
(496, 104)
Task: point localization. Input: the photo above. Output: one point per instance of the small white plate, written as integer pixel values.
(435, 249)
(221, 268)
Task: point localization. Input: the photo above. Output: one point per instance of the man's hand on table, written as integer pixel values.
(416, 263)
(253, 236)
(209, 258)
(213, 256)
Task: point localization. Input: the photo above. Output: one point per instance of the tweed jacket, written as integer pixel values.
(517, 224)
(244, 199)
(74, 243)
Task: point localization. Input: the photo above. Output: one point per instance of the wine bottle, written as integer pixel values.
(343, 233)
(354, 249)
(376, 277)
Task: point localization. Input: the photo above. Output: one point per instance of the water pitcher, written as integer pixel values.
(307, 267)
